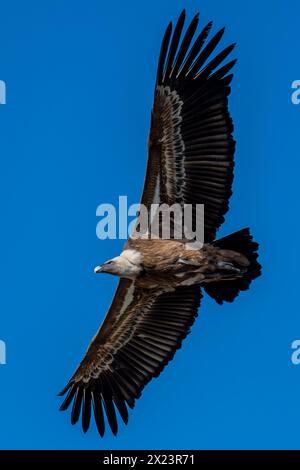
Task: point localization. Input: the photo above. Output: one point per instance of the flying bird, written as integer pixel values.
(190, 161)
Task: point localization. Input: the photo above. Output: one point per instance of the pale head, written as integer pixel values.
(119, 266)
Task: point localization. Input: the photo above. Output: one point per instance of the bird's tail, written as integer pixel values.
(241, 242)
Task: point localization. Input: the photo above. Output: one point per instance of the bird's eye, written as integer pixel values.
(108, 262)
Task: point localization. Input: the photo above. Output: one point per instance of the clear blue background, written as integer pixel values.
(80, 79)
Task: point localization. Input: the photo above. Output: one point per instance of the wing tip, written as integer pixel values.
(64, 390)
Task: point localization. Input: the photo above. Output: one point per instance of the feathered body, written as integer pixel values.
(167, 264)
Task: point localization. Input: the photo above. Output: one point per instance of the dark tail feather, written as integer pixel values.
(242, 242)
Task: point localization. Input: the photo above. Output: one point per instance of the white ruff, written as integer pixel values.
(133, 256)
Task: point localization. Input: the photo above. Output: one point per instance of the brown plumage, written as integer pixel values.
(190, 161)
(167, 264)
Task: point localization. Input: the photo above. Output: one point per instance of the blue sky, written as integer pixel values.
(80, 79)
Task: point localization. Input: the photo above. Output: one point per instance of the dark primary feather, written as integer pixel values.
(194, 51)
(86, 409)
(186, 41)
(204, 55)
(204, 73)
(77, 405)
(97, 407)
(174, 45)
(107, 399)
(163, 53)
(65, 404)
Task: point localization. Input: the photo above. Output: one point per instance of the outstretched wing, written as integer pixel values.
(139, 336)
(190, 149)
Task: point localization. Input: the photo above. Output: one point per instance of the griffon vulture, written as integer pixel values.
(190, 161)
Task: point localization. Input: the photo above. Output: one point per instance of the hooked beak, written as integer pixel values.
(98, 269)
